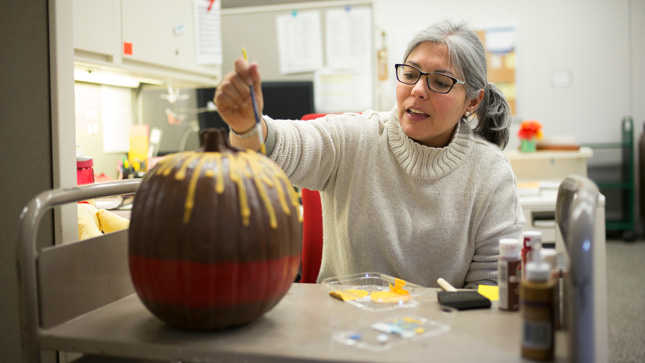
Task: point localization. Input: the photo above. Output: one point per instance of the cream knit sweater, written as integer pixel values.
(394, 206)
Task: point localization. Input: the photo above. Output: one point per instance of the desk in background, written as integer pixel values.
(551, 166)
(548, 168)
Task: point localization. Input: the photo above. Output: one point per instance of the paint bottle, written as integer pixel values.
(509, 273)
(550, 256)
(532, 241)
(536, 299)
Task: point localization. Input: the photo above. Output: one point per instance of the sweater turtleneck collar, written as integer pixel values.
(426, 162)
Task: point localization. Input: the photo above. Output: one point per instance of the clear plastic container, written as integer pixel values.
(383, 330)
(370, 291)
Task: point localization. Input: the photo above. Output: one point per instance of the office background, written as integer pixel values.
(600, 42)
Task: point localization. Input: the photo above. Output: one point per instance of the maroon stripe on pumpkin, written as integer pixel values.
(195, 284)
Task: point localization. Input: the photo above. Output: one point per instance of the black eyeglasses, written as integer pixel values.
(437, 82)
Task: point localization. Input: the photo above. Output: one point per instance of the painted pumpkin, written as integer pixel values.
(215, 236)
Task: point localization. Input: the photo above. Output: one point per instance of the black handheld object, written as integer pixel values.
(463, 300)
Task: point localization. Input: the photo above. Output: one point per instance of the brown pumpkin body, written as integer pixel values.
(215, 237)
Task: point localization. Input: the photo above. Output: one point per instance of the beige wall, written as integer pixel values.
(26, 157)
(88, 106)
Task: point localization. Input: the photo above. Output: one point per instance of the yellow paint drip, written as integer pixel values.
(267, 181)
(190, 198)
(181, 173)
(281, 197)
(256, 168)
(235, 169)
(166, 164)
(240, 166)
(219, 181)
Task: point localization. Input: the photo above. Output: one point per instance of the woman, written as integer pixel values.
(415, 193)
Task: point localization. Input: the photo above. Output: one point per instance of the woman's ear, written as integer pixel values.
(474, 103)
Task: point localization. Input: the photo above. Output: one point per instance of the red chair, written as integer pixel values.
(312, 235)
(312, 231)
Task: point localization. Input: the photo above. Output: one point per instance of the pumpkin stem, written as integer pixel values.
(214, 140)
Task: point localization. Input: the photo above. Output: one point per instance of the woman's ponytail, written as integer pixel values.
(494, 116)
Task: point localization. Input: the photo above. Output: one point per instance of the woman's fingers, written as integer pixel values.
(257, 85)
(232, 92)
(233, 95)
(242, 70)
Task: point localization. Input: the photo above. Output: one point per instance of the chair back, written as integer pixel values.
(312, 231)
(575, 216)
(59, 283)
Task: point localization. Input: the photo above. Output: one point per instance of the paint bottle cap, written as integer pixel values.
(510, 247)
(532, 239)
(550, 256)
(538, 270)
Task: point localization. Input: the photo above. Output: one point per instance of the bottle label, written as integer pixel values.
(509, 278)
(502, 281)
(537, 335)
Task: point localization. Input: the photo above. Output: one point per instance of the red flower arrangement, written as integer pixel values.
(530, 129)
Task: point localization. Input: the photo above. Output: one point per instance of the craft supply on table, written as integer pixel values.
(509, 274)
(461, 299)
(378, 331)
(490, 292)
(537, 300)
(532, 241)
(374, 291)
(395, 294)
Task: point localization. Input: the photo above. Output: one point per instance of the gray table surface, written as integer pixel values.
(299, 328)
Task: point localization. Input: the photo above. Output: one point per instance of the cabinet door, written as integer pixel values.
(161, 32)
(96, 26)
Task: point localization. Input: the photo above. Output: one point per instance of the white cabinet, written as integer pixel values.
(97, 26)
(161, 32)
(151, 39)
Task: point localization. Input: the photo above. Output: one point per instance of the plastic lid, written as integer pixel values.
(510, 247)
(532, 238)
(80, 154)
(538, 271)
(80, 164)
(550, 256)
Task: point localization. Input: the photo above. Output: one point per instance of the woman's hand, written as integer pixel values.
(232, 96)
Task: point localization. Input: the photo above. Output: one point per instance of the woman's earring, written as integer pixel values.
(467, 113)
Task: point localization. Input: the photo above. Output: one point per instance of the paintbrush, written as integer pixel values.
(461, 300)
(255, 110)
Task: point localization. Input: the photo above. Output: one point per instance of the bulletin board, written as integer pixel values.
(255, 29)
(500, 45)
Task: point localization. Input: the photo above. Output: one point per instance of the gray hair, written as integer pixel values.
(468, 56)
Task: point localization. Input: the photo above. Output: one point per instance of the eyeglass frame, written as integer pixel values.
(422, 73)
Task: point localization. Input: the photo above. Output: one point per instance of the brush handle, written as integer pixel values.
(445, 285)
(257, 119)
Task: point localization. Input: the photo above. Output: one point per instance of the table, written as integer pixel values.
(549, 168)
(299, 328)
(548, 165)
